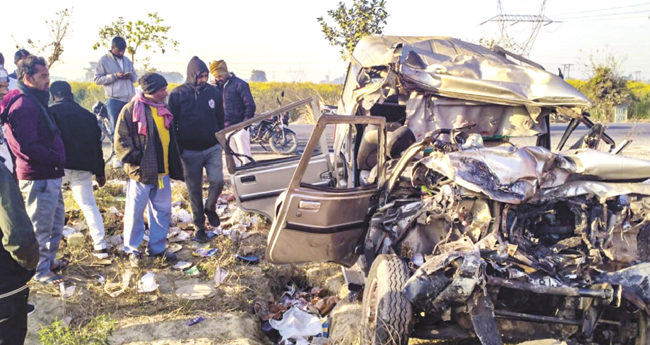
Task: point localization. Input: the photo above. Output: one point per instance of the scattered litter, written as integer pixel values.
(203, 252)
(195, 291)
(194, 271)
(179, 203)
(147, 283)
(182, 265)
(252, 259)
(99, 278)
(181, 215)
(67, 291)
(194, 321)
(174, 247)
(67, 231)
(114, 214)
(181, 237)
(417, 259)
(116, 289)
(220, 276)
(78, 226)
(297, 323)
(115, 240)
(76, 239)
(173, 231)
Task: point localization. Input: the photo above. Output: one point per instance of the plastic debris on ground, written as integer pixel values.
(76, 239)
(114, 214)
(116, 289)
(67, 231)
(182, 265)
(67, 291)
(204, 252)
(297, 323)
(181, 237)
(195, 321)
(250, 259)
(174, 247)
(220, 276)
(195, 291)
(147, 283)
(193, 271)
(173, 231)
(181, 215)
(297, 312)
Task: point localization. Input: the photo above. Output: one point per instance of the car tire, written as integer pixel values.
(386, 313)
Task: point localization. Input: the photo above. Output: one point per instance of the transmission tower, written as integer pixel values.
(567, 70)
(506, 20)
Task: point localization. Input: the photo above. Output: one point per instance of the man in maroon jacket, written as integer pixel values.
(35, 141)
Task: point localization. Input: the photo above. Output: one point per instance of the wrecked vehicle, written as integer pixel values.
(457, 232)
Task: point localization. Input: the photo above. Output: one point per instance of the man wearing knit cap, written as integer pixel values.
(238, 106)
(198, 114)
(145, 141)
(84, 158)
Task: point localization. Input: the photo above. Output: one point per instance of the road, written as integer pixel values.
(638, 132)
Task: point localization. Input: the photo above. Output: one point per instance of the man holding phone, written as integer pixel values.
(115, 71)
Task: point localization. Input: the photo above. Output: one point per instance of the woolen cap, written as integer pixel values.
(152, 82)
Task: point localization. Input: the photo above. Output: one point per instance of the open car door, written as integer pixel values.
(258, 183)
(324, 223)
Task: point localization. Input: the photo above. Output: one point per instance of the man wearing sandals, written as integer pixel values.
(83, 158)
(35, 141)
(145, 142)
(18, 260)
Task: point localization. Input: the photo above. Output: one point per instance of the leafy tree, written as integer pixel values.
(58, 29)
(150, 35)
(606, 88)
(363, 18)
(257, 75)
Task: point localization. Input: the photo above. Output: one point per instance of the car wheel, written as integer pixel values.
(387, 314)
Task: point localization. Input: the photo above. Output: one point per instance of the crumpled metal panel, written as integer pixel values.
(457, 69)
(605, 165)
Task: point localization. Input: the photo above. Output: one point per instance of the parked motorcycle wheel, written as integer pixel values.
(387, 314)
(286, 145)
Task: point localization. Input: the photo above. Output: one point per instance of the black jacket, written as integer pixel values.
(198, 112)
(18, 246)
(81, 137)
(238, 103)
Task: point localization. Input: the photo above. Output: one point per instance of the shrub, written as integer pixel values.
(96, 332)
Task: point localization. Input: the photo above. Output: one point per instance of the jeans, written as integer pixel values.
(114, 107)
(44, 205)
(193, 164)
(158, 202)
(81, 183)
(241, 143)
(13, 318)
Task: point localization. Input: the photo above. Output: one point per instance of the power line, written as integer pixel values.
(605, 15)
(603, 9)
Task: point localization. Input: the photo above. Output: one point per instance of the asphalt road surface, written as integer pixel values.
(639, 133)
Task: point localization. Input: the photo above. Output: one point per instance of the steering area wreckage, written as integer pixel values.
(452, 230)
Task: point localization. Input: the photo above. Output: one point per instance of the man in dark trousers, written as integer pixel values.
(198, 115)
(238, 106)
(18, 260)
(84, 158)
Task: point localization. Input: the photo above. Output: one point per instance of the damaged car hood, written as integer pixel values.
(517, 175)
(453, 68)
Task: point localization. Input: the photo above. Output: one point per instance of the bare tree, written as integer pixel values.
(58, 28)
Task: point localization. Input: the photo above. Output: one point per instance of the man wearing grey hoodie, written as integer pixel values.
(115, 72)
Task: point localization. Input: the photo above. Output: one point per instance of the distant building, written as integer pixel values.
(90, 71)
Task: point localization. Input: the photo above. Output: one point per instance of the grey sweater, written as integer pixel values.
(105, 74)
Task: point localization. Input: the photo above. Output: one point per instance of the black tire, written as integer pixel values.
(286, 145)
(387, 314)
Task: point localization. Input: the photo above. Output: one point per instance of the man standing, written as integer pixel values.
(13, 77)
(145, 142)
(18, 260)
(198, 115)
(35, 141)
(84, 158)
(238, 106)
(4, 78)
(115, 71)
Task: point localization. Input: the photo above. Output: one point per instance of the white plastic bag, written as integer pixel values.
(297, 323)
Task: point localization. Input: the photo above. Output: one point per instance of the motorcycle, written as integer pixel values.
(100, 110)
(282, 140)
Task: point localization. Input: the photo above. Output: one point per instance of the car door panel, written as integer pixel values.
(322, 223)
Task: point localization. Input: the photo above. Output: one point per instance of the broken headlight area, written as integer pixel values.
(522, 238)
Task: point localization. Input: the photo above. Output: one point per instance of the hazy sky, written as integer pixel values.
(283, 38)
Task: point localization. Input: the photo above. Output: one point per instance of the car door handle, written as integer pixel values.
(246, 179)
(309, 205)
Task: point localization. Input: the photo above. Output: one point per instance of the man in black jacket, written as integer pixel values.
(238, 106)
(198, 115)
(18, 260)
(84, 158)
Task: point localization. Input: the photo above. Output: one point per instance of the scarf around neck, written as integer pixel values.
(40, 98)
(139, 112)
